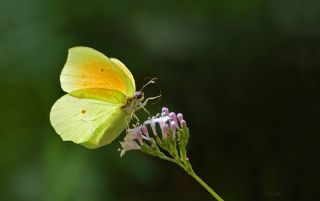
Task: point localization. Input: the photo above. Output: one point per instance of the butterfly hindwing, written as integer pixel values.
(91, 117)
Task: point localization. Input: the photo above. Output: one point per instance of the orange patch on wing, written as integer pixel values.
(98, 75)
(87, 68)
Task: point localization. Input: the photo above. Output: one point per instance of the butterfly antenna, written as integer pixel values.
(159, 96)
(151, 81)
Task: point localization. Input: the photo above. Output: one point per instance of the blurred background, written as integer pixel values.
(245, 74)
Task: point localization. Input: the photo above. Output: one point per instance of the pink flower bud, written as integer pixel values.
(153, 127)
(183, 123)
(173, 116)
(139, 137)
(180, 117)
(144, 130)
(165, 129)
(173, 126)
(165, 111)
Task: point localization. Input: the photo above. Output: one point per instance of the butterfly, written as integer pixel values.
(100, 102)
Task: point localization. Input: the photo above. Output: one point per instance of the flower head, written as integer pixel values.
(168, 123)
(170, 144)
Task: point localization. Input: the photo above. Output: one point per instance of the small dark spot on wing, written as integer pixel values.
(83, 111)
(101, 69)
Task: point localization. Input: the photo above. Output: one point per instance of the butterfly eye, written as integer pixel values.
(139, 95)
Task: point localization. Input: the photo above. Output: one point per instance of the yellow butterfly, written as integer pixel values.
(101, 99)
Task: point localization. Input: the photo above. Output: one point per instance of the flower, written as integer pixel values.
(161, 121)
(167, 122)
(134, 139)
(165, 111)
(170, 146)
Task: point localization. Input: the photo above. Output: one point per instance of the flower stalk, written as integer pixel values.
(171, 145)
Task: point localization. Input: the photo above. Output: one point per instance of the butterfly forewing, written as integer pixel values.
(88, 68)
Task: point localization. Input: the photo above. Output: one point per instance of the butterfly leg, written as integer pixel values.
(146, 101)
(142, 106)
(146, 111)
(135, 116)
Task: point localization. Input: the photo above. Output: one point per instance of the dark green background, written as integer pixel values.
(246, 75)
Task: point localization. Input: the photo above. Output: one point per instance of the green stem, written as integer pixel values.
(183, 162)
(190, 171)
(167, 158)
(203, 184)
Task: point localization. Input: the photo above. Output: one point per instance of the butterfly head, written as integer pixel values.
(139, 95)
